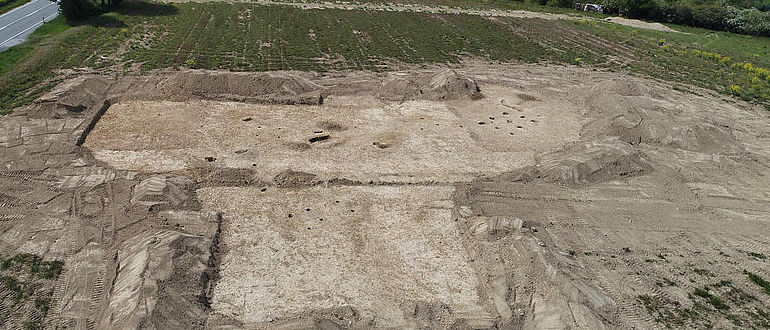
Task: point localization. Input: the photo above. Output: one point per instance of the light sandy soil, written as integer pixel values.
(371, 247)
(640, 24)
(581, 196)
(365, 139)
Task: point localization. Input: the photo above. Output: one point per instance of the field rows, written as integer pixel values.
(253, 37)
(248, 37)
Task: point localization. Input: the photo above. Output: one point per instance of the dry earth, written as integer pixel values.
(488, 196)
(640, 24)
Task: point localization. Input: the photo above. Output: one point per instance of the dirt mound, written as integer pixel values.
(399, 89)
(445, 85)
(278, 88)
(160, 280)
(71, 98)
(636, 114)
(585, 163)
(295, 179)
(163, 190)
(591, 162)
(448, 85)
(640, 24)
(230, 177)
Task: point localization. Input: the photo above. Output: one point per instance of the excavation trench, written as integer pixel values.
(248, 202)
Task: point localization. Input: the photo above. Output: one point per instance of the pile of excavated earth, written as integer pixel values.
(484, 196)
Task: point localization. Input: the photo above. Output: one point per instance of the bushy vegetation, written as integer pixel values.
(751, 17)
(713, 15)
(76, 10)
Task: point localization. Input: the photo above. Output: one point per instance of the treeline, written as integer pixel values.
(722, 16)
(75, 10)
(750, 17)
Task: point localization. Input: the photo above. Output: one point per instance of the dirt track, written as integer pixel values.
(437, 9)
(555, 197)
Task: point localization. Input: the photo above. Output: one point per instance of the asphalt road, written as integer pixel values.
(19, 23)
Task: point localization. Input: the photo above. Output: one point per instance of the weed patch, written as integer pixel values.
(668, 313)
(715, 301)
(758, 280)
(26, 283)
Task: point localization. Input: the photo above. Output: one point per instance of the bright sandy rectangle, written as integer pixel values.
(363, 247)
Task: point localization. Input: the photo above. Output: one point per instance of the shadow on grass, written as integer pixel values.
(143, 8)
(128, 8)
(104, 21)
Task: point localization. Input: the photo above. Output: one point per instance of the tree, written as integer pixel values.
(75, 10)
(641, 9)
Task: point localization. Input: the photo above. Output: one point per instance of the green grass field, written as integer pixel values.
(250, 37)
(8, 5)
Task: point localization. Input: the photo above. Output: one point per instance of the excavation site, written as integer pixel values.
(474, 196)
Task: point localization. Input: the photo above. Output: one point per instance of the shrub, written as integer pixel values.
(640, 9)
(75, 10)
(564, 3)
(750, 21)
(704, 14)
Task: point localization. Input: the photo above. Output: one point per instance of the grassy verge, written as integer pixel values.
(250, 37)
(14, 55)
(8, 5)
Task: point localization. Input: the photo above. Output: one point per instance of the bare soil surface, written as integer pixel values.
(484, 196)
(640, 24)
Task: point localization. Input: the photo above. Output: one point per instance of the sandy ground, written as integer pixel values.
(371, 247)
(640, 24)
(387, 204)
(363, 140)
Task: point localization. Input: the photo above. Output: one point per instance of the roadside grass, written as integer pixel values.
(13, 55)
(250, 37)
(8, 5)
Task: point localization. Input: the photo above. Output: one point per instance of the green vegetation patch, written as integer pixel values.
(715, 301)
(758, 280)
(667, 312)
(8, 5)
(38, 268)
(142, 36)
(26, 290)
